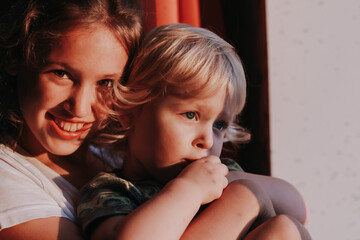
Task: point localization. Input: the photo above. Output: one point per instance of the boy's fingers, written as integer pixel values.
(225, 182)
(225, 169)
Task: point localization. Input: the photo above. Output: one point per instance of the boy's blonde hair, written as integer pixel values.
(184, 61)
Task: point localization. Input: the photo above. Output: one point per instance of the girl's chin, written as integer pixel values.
(63, 149)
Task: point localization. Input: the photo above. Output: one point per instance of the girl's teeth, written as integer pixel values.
(70, 127)
(80, 125)
(67, 126)
(73, 128)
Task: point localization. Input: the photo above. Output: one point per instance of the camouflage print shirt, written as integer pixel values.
(109, 194)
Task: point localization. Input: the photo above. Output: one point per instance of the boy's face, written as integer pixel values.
(171, 132)
(59, 99)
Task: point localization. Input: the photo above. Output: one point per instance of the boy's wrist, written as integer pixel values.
(186, 189)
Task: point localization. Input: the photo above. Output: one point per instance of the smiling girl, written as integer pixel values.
(58, 62)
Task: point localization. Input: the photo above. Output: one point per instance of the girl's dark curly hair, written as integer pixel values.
(29, 27)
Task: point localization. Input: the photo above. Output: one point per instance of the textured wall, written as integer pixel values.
(314, 58)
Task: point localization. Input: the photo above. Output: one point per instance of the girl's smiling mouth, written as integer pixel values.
(69, 126)
(67, 130)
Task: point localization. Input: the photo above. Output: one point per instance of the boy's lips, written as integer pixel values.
(190, 160)
(68, 129)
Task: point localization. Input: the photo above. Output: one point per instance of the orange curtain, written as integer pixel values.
(162, 12)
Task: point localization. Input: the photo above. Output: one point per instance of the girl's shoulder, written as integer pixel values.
(30, 191)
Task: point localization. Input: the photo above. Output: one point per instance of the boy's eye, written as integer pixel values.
(108, 83)
(189, 115)
(220, 125)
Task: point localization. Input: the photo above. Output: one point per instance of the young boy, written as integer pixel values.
(178, 106)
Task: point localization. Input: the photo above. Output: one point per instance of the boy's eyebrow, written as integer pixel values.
(186, 103)
(225, 114)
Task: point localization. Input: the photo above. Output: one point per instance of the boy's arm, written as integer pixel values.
(285, 198)
(243, 205)
(167, 215)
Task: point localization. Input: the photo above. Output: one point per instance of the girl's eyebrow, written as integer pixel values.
(67, 66)
(112, 76)
(62, 64)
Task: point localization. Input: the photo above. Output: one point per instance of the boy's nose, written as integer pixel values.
(80, 103)
(204, 139)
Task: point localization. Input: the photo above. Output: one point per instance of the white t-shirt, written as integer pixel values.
(31, 190)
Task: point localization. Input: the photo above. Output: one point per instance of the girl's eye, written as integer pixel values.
(60, 73)
(108, 83)
(190, 115)
(220, 125)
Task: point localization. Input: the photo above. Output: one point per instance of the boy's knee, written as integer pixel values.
(282, 221)
(289, 227)
(263, 201)
(262, 197)
(249, 184)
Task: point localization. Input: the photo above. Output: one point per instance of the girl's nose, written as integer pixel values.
(204, 140)
(81, 102)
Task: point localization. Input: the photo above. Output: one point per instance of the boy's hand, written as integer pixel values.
(207, 177)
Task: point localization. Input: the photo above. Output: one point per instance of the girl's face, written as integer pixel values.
(59, 100)
(171, 132)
